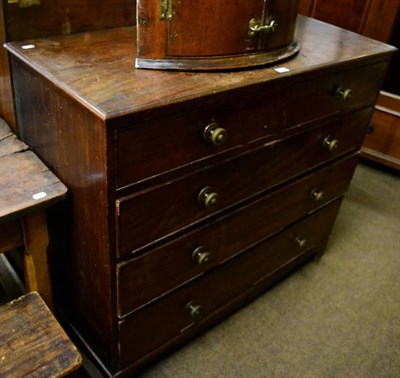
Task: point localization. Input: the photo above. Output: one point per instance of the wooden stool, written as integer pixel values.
(27, 187)
(32, 343)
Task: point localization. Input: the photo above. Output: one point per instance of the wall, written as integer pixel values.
(25, 19)
(54, 17)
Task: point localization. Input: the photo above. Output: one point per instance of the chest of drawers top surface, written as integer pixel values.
(105, 79)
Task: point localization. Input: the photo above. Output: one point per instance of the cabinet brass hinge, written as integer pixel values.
(166, 9)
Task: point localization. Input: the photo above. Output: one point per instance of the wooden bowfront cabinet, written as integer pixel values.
(188, 35)
(190, 193)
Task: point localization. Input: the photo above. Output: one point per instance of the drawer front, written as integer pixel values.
(163, 269)
(147, 217)
(313, 99)
(384, 136)
(166, 144)
(145, 331)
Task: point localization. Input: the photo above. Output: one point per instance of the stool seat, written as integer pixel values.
(32, 343)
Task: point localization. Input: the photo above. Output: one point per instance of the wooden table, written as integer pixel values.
(27, 187)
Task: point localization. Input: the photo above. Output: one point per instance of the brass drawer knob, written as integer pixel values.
(208, 198)
(215, 134)
(300, 242)
(331, 144)
(201, 255)
(194, 309)
(344, 93)
(256, 27)
(318, 195)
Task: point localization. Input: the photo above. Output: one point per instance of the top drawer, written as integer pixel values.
(313, 99)
(164, 144)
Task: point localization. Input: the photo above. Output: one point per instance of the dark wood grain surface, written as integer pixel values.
(103, 126)
(26, 184)
(105, 80)
(57, 17)
(180, 37)
(6, 94)
(159, 271)
(71, 140)
(211, 292)
(139, 225)
(380, 20)
(32, 343)
(372, 18)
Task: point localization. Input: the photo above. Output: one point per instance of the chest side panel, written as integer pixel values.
(72, 142)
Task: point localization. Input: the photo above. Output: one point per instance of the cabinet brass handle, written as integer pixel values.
(214, 134)
(318, 195)
(193, 309)
(344, 93)
(201, 255)
(331, 144)
(300, 242)
(208, 197)
(256, 27)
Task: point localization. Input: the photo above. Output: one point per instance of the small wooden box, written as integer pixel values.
(215, 34)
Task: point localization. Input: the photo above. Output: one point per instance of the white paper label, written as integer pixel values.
(39, 195)
(282, 69)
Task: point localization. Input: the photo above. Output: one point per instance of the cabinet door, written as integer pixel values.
(212, 27)
(283, 13)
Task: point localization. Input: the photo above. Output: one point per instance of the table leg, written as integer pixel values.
(36, 239)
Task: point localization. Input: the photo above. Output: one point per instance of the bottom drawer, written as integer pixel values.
(148, 329)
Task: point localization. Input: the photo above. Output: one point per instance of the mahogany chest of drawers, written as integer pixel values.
(190, 193)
